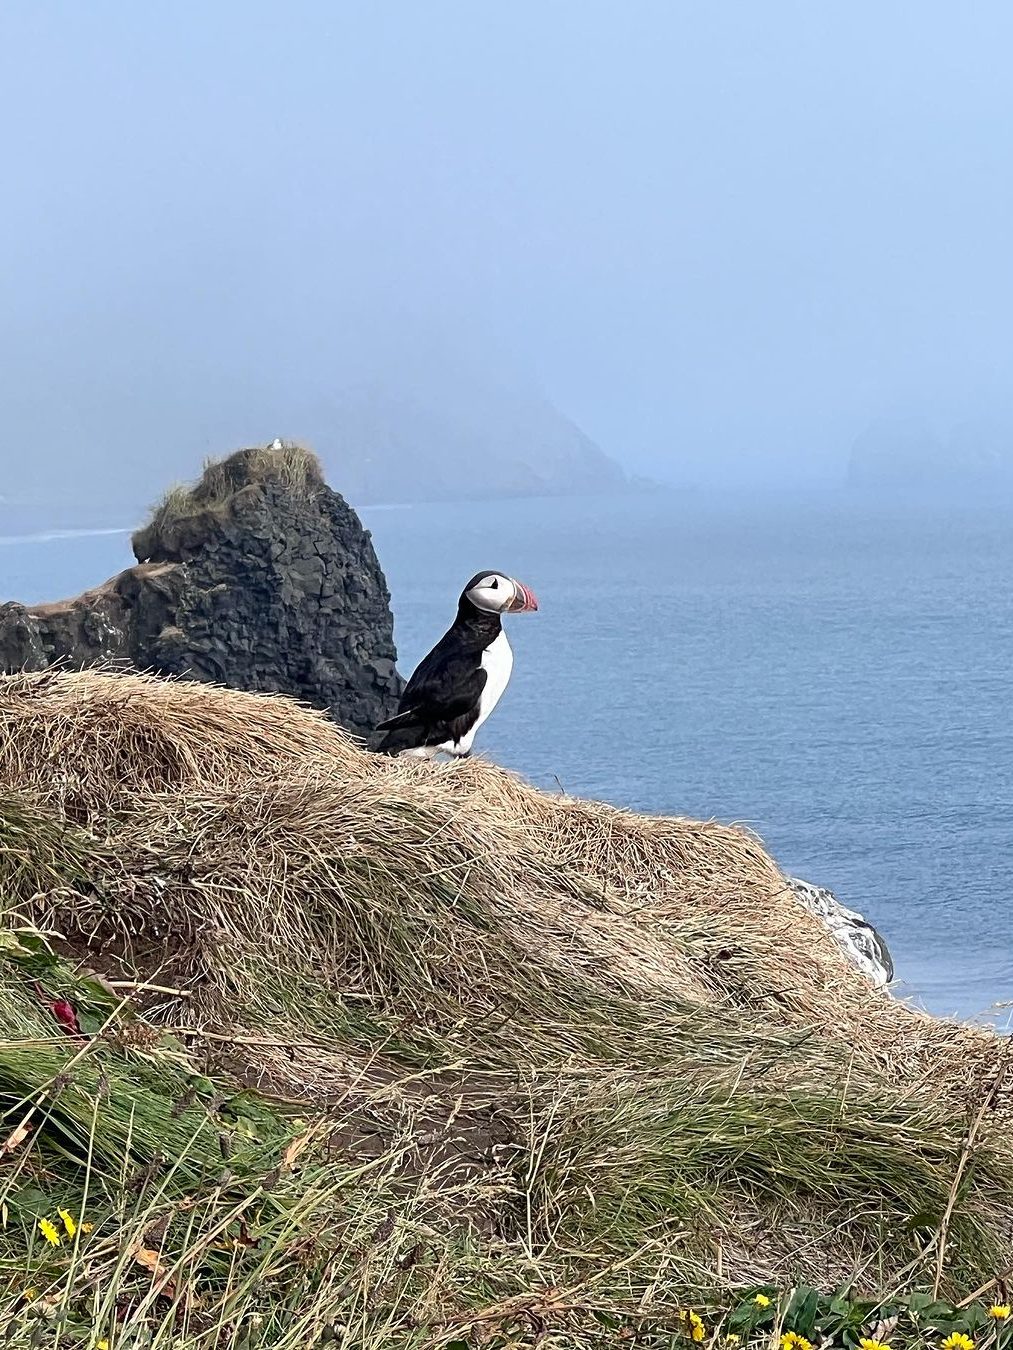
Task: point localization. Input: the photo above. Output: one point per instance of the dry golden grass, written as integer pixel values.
(274, 794)
(720, 906)
(94, 742)
(670, 1035)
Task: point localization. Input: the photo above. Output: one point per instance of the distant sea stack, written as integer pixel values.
(259, 577)
(905, 457)
(463, 442)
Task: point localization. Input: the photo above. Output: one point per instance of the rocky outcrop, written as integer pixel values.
(906, 458)
(260, 577)
(859, 941)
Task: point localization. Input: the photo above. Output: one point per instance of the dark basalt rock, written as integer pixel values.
(260, 577)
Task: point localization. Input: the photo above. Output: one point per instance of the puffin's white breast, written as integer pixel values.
(497, 662)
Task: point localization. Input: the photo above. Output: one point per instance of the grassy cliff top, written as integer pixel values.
(425, 1055)
(297, 468)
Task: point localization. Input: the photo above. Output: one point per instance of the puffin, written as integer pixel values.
(455, 688)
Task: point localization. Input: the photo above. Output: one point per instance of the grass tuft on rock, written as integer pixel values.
(295, 467)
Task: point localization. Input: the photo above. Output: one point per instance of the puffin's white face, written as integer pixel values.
(496, 593)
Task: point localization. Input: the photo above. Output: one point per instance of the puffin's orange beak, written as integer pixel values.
(523, 601)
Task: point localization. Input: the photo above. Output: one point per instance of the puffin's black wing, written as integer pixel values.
(440, 702)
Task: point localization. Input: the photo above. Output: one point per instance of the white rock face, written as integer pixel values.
(858, 939)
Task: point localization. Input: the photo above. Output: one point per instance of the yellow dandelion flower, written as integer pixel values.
(693, 1324)
(87, 1227)
(48, 1231)
(732, 1339)
(102, 1345)
(762, 1301)
(791, 1340)
(958, 1340)
(68, 1222)
(999, 1311)
(29, 1294)
(869, 1343)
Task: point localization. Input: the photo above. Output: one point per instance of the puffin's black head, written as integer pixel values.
(496, 593)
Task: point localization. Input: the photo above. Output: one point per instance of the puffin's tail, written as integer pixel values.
(402, 732)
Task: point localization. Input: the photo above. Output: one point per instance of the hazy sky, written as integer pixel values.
(723, 236)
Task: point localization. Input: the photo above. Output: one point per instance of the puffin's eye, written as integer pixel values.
(495, 583)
